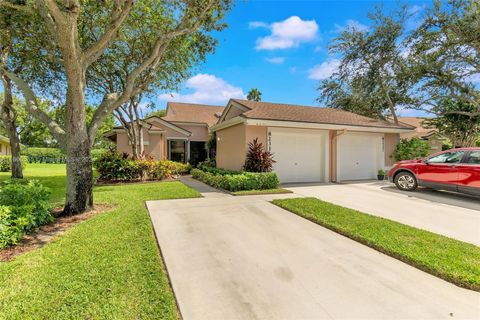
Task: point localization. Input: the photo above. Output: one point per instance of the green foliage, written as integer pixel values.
(381, 172)
(113, 166)
(410, 149)
(462, 130)
(444, 257)
(254, 94)
(258, 159)
(209, 163)
(23, 207)
(238, 181)
(6, 163)
(44, 155)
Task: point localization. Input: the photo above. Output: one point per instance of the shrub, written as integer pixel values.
(6, 163)
(113, 166)
(23, 207)
(44, 155)
(258, 159)
(97, 153)
(209, 163)
(409, 149)
(238, 181)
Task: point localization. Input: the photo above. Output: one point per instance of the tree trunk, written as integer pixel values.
(8, 117)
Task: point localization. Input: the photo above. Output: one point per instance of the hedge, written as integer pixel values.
(114, 167)
(237, 181)
(6, 163)
(24, 206)
(53, 155)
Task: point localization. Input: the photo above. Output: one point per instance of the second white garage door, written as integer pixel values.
(359, 155)
(300, 155)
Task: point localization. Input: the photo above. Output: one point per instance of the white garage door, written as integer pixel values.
(359, 155)
(300, 155)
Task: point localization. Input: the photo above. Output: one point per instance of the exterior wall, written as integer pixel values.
(231, 147)
(199, 132)
(391, 141)
(153, 144)
(5, 149)
(259, 132)
(333, 155)
(436, 144)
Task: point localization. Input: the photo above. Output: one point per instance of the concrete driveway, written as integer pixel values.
(454, 215)
(244, 258)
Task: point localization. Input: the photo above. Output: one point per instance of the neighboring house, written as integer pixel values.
(5, 149)
(179, 136)
(434, 138)
(309, 144)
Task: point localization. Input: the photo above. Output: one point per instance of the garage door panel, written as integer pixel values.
(359, 155)
(298, 154)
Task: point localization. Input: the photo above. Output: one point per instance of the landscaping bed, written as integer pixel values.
(260, 192)
(452, 260)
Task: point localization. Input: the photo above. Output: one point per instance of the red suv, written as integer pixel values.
(455, 170)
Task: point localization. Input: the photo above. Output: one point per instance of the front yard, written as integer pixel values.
(108, 267)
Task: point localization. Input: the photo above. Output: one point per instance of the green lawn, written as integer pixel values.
(260, 192)
(107, 267)
(452, 260)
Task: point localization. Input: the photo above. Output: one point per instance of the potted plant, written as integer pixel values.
(381, 174)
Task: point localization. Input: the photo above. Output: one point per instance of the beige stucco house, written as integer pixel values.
(5, 149)
(179, 136)
(434, 138)
(309, 144)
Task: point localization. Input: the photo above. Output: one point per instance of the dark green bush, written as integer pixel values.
(44, 155)
(24, 206)
(238, 181)
(113, 166)
(6, 163)
(410, 149)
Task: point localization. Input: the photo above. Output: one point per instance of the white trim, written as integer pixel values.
(172, 126)
(193, 124)
(228, 123)
(307, 125)
(156, 131)
(177, 138)
(231, 104)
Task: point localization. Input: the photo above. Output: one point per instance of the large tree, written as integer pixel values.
(446, 54)
(372, 77)
(76, 46)
(254, 94)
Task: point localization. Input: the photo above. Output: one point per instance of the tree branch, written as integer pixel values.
(119, 15)
(32, 107)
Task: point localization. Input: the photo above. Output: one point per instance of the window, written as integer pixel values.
(448, 157)
(473, 158)
(177, 150)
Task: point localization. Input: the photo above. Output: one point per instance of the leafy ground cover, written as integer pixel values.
(449, 259)
(107, 267)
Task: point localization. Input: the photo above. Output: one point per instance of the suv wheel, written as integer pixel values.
(406, 181)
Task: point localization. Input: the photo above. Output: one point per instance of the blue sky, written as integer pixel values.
(279, 47)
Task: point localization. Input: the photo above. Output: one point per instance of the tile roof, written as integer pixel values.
(289, 112)
(421, 130)
(190, 112)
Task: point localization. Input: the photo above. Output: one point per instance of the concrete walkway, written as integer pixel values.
(450, 214)
(244, 258)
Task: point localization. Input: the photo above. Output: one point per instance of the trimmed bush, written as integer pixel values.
(24, 206)
(113, 166)
(6, 163)
(44, 155)
(410, 149)
(238, 181)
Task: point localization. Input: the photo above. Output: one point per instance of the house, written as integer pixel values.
(180, 136)
(309, 144)
(5, 149)
(434, 138)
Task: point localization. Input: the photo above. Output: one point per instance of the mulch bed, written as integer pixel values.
(48, 232)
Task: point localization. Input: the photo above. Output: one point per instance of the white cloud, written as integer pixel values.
(207, 89)
(257, 24)
(288, 34)
(352, 24)
(324, 70)
(275, 60)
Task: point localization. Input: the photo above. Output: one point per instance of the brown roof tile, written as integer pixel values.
(288, 112)
(190, 112)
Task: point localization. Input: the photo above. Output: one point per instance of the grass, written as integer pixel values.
(107, 267)
(452, 260)
(260, 192)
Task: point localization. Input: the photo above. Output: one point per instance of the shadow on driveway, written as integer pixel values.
(444, 197)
